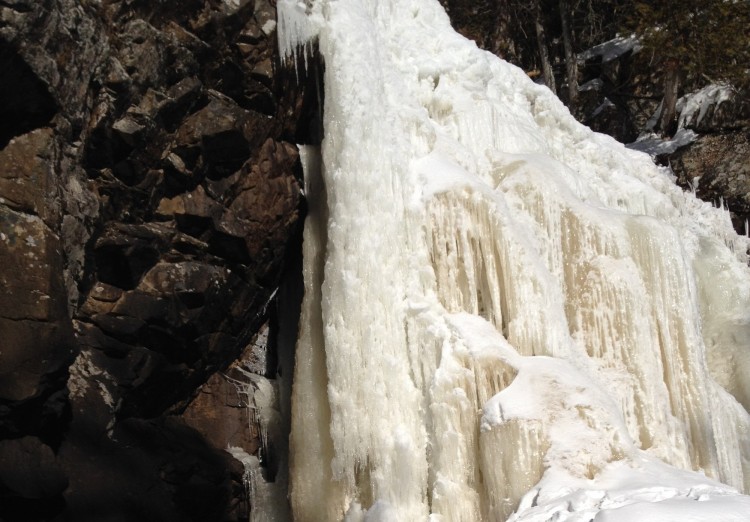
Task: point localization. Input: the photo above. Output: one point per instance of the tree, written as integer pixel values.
(693, 42)
(541, 39)
(571, 60)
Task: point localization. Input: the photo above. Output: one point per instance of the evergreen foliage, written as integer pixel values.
(708, 39)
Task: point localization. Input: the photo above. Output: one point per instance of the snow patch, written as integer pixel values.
(655, 145)
(694, 107)
(612, 49)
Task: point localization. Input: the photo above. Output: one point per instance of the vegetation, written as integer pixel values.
(694, 42)
(686, 44)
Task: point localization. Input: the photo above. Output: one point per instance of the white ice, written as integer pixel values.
(506, 314)
(694, 107)
(612, 49)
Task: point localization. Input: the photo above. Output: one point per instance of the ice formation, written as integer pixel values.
(694, 107)
(506, 315)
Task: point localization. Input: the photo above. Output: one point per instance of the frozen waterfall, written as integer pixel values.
(506, 315)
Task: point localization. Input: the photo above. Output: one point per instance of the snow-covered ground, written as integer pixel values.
(506, 315)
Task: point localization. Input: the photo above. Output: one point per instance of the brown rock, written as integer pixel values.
(220, 413)
(719, 165)
(27, 180)
(135, 124)
(32, 268)
(29, 469)
(30, 351)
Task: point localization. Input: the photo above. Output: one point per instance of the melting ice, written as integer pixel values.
(507, 316)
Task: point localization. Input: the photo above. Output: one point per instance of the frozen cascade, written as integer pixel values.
(506, 316)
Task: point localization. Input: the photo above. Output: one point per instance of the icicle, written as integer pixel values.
(504, 312)
(297, 30)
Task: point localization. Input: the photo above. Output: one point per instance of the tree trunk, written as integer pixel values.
(571, 64)
(671, 91)
(541, 40)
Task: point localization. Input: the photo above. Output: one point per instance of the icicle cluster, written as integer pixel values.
(506, 315)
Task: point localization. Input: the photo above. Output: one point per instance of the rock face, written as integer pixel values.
(149, 198)
(717, 164)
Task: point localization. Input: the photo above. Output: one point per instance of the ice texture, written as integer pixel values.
(693, 107)
(612, 49)
(506, 315)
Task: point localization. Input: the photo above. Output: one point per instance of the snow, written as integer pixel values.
(592, 85)
(505, 314)
(269, 27)
(695, 106)
(638, 492)
(692, 110)
(655, 145)
(612, 49)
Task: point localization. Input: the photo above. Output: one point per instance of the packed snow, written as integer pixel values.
(655, 145)
(693, 110)
(612, 49)
(506, 315)
(694, 107)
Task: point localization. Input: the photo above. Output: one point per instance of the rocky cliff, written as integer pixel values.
(150, 212)
(149, 204)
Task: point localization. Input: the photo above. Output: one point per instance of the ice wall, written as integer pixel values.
(506, 315)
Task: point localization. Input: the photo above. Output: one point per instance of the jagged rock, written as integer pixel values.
(146, 470)
(153, 57)
(31, 480)
(196, 203)
(718, 166)
(129, 129)
(149, 193)
(33, 312)
(224, 133)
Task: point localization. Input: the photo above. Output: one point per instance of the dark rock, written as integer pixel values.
(27, 181)
(33, 313)
(25, 100)
(32, 350)
(155, 470)
(220, 412)
(224, 133)
(152, 57)
(29, 469)
(149, 197)
(718, 166)
(32, 482)
(611, 119)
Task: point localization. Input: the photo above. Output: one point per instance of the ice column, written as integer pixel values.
(502, 308)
